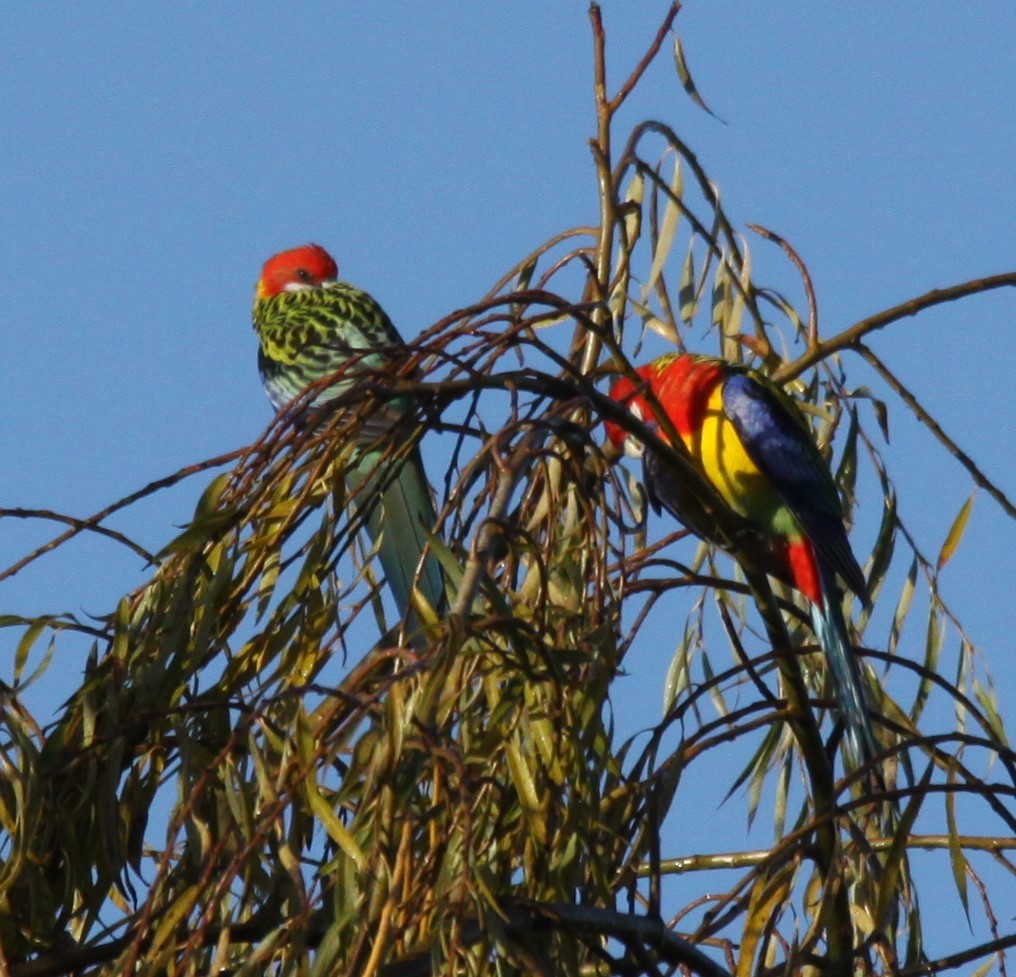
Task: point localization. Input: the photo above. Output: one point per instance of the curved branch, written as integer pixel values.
(929, 422)
(594, 922)
(802, 270)
(79, 525)
(92, 522)
(850, 338)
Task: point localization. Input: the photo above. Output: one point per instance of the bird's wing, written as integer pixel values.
(781, 446)
(308, 335)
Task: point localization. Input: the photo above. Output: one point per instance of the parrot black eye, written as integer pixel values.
(303, 275)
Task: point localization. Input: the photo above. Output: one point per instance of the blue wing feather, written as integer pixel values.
(780, 444)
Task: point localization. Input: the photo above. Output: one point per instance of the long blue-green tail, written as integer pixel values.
(394, 500)
(831, 633)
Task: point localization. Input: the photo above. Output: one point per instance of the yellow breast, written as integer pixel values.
(719, 451)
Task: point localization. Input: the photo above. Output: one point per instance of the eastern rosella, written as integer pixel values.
(751, 444)
(310, 325)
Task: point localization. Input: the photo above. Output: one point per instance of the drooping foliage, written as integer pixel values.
(258, 776)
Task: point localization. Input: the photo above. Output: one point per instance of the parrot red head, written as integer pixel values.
(296, 270)
(624, 391)
(682, 384)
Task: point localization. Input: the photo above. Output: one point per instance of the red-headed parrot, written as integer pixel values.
(752, 445)
(309, 326)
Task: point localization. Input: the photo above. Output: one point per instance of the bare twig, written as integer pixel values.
(647, 59)
(849, 338)
(929, 422)
(802, 270)
(80, 525)
(92, 522)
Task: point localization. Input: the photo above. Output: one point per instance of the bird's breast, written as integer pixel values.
(719, 451)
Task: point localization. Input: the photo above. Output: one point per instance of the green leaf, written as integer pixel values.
(664, 240)
(895, 858)
(687, 297)
(525, 275)
(846, 471)
(721, 299)
(325, 813)
(932, 653)
(988, 702)
(986, 967)
(209, 520)
(633, 197)
(955, 534)
(902, 608)
(677, 679)
(957, 860)
(681, 64)
(882, 416)
(28, 639)
(885, 545)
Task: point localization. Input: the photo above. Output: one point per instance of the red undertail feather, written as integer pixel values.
(804, 570)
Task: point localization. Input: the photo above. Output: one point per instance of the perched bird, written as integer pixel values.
(753, 447)
(310, 326)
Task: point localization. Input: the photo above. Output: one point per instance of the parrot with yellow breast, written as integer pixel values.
(750, 443)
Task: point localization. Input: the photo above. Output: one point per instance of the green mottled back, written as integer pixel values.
(306, 335)
(310, 326)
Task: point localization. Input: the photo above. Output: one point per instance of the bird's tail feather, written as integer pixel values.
(831, 633)
(398, 512)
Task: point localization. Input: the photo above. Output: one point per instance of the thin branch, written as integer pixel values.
(802, 270)
(92, 522)
(70, 960)
(749, 859)
(958, 959)
(600, 147)
(850, 338)
(640, 69)
(594, 922)
(929, 422)
(81, 525)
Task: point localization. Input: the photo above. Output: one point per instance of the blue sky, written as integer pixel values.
(153, 160)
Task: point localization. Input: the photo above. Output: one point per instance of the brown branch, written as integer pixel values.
(594, 922)
(839, 932)
(81, 525)
(929, 422)
(582, 231)
(802, 270)
(640, 69)
(708, 189)
(600, 147)
(850, 338)
(747, 859)
(958, 959)
(69, 961)
(92, 522)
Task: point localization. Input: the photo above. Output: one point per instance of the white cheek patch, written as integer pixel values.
(632, 446)
(309, 286)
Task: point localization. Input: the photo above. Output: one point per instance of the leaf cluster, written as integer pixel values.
(263, 772)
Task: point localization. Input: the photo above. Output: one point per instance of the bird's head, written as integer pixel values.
(627, 392)
(296, 270)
